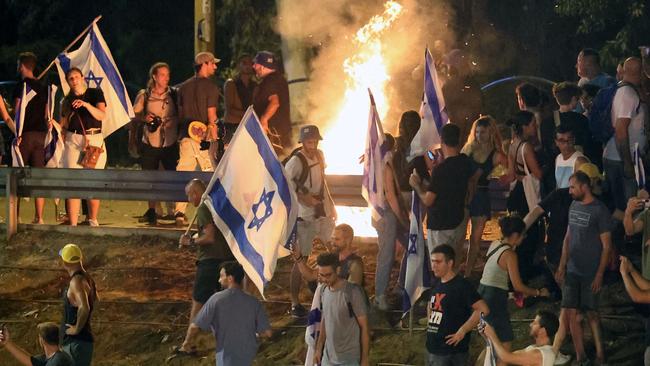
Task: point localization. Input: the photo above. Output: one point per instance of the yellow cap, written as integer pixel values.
(70, 253)
(591, 170)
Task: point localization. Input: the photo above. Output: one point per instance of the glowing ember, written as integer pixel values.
(345, 135)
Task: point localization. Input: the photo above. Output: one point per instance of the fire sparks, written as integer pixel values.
(345, 135)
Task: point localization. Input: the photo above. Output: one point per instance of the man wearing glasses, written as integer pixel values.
(344, 334)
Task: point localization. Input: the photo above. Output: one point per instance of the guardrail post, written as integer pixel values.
(12, 204)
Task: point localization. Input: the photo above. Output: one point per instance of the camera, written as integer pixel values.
(154, 124)
(204, 145)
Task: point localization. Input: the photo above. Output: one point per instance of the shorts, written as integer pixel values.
(577, 294)
(449, 237)
(74, 145)
(480, 205)
(206, 282)
(307, 231)
(499, 317)
(80, 351)
(32, 150)
(152, 157)
(454, 359)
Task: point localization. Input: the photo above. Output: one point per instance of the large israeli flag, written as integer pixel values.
(251, 201)
(95, 61)
(432, 111)
(372, 185)
(417, 276)
(27, 95)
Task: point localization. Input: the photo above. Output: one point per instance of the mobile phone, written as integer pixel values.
(431, 156)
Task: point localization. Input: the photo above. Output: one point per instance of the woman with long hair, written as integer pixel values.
(484, 147)
(523, 167)
(82, 112)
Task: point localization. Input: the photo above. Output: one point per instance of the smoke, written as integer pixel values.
(327, 28)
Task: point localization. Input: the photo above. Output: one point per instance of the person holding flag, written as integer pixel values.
(211, 251)
(82, 113)
(31, 127)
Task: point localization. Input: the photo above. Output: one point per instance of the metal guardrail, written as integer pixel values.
(128, 185)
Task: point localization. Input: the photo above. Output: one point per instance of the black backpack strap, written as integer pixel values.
(494, 251)
(304, 171)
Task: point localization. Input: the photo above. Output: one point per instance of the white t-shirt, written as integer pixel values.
(548, 356)
(313, 184)
(625, 105)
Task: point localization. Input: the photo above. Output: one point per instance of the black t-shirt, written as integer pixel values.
(35, 110)
(274, 84)
(546, 156)
(449, 182)
(556, 207)
(58, 359)
(451, 306)
(93, 96)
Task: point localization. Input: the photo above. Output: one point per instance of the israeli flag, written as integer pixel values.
(372, 185)
(27, 95)
(432, 111)
(53, 142)
(639, 170)
(312, 331)
(417, 276)
(95, 61)
(252, 203)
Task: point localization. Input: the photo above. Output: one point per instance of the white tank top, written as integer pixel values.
(548, 356)
(493, 274)
(564, 169)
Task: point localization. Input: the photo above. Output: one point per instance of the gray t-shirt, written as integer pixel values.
(586, 223)
(59, 358)
(195, 96)
(343, 342)
(234, 318)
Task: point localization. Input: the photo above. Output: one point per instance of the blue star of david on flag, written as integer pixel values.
(412, 243)
(91, 77)
(265, 199)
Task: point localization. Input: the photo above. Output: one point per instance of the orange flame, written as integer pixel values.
(345, 135)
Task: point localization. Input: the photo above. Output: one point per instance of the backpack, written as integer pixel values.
(304, 171)
(600, 117)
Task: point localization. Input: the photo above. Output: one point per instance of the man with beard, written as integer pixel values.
(542, 330)
(351, 265)
(585, 255)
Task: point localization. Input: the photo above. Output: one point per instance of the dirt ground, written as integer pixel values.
(145, 285)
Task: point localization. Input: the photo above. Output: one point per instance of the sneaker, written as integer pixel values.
(298, 311)
(562, 359)
(149, 217)
(381, 303)
(93, 223)
(181, 219)
(168, 217)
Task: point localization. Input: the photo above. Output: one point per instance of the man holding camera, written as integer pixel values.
(156, 108)
(48, 338)
(316, 215)
(198, 98)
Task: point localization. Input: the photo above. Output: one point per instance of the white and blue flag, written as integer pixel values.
(27, 95)
(95, 61)
(417, 277)
(252, 202)
(372, 185)
(53, 142)
(432, 111)
(639, 170)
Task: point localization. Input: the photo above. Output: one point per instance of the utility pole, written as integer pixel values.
(204, 27)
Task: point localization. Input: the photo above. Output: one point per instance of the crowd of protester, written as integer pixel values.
(566, 223)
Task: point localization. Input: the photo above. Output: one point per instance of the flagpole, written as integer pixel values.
(70, 45)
